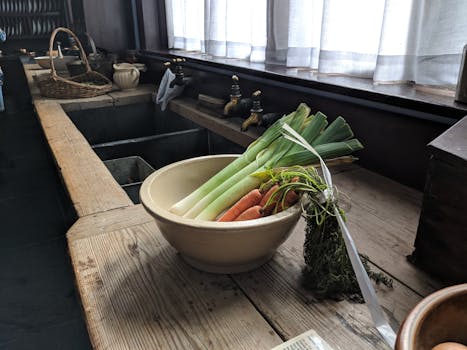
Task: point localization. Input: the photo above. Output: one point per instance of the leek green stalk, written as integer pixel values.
(271, 134)
(218, 191)
(269, 151)
(231, 190)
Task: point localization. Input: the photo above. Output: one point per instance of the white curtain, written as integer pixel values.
(225, 28)
(386, 40)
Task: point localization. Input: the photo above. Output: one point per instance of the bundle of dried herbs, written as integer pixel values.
(328, 271)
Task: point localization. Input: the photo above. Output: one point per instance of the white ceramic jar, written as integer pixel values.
(126, 76)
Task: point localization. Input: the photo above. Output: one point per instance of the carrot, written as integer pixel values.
(267, 210)
(254, 212)
(268, 195)
(290, 199)
(249, 200)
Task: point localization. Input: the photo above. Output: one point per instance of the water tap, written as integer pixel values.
(256, 115)
(179, 79)
(237, 106)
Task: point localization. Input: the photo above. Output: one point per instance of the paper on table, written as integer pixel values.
(368, 292)
(309, 340)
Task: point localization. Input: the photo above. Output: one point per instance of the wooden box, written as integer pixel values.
(441, 242)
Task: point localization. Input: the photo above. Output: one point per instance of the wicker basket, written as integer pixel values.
(88, 84)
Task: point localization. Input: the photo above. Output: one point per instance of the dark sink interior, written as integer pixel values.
(143, 130)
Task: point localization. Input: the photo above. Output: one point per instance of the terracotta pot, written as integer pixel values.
(126, 76)
(440, 317)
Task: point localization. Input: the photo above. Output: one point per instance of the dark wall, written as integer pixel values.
(110, 23)
(152, 24)
(395, 143)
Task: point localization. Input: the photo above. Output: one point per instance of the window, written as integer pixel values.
(385, 40)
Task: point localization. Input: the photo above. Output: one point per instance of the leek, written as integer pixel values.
(326, 151)
(209, 207)
(216, 192)
(338, 130)
(271, 150)
(271, 134)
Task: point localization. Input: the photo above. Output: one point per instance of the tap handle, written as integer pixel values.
(178, 70)
(256, 97)
(179, 74)
(235, 88)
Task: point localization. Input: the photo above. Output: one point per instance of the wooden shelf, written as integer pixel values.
(209, 119)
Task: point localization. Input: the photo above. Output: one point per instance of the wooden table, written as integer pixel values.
(137, 293)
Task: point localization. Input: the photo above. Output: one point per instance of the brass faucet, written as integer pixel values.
(235, 96)
(256, 115)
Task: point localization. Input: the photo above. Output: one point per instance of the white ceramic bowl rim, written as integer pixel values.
(165, 215)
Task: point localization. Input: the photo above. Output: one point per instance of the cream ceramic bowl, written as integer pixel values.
(438, 318)
(218, 247)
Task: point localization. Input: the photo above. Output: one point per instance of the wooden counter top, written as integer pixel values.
(91, 187)
(137, 293)
(114, 98)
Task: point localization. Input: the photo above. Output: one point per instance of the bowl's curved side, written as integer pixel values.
(235, 250)
(225, 247)
(440, 317)
(173, 182)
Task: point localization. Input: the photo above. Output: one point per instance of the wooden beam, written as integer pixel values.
(91, 187)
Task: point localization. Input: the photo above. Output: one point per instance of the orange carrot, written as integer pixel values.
(267, 210)
(249, 200)
(254, 212)
(290, 199)
(268, 195)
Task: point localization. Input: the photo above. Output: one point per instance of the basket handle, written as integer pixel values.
(51, 45)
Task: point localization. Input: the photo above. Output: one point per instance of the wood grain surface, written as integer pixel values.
(111, 220)
(228, 128)
(381, 213)
(137, 293)
(141, 94)
(277, 292)
(383, 220)
(91, 187)
(274, 290)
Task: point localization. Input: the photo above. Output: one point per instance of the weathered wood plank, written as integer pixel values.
(277, 292)
(138, 294)
(116, 97)
(91, 187)
(111, 220)
(383, 220)
(228, 128)
(142, 94)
